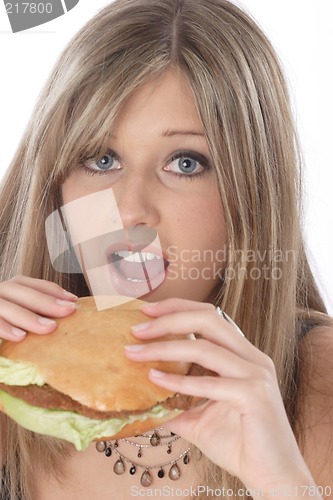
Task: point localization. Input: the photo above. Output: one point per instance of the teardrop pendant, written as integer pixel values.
(186, 459)
(155, 439)
(119, 467)
(174, 472)
(146, 479)
(108, 451)
(101, 446)
(132, 470)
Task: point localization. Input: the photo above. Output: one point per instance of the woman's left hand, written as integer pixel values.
(243, 427)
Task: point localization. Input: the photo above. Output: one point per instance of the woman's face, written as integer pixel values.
(159, 169)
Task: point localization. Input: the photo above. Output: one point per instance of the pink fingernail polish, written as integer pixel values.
(65, 303)
(140, 326)
(18, 332)
(46, 321)
(134, 347)
(69, 294)
(156, 373)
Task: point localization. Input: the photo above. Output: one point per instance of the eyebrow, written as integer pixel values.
(171, 133)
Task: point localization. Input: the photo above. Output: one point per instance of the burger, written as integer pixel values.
(76, 383)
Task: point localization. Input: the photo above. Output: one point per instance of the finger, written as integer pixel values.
(208, 324)
(10, 332)
(201, 352)
(34, 300)
(47, 287)
(26, 319)
(168, 306)
(241, 394)
(184, 423)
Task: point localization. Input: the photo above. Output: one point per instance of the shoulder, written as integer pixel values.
(316, 402)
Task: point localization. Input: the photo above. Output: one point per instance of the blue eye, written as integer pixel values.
(187, 165)
(104, 164)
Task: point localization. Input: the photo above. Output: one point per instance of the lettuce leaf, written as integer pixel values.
(70, 426)
(17, 373)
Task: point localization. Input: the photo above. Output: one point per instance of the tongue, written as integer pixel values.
(141, 271)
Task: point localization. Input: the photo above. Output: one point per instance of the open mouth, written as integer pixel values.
(136, 272)
(138, 266)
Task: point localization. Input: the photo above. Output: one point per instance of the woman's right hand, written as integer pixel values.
(27, 304)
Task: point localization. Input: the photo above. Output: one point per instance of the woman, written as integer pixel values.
(179, 107)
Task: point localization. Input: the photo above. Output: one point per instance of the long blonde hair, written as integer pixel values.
(243, 102)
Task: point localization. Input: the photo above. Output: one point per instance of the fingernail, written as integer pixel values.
(65, 303)
(18, 332)
(140, 326)
(156, 373)
(46, 321)
(69, 294)
(151, 304)
(134, 347)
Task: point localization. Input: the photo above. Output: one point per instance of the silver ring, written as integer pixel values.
(227, 318)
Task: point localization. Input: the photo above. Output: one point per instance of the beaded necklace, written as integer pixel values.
(154, 439)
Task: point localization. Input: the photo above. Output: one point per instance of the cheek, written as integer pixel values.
(199, 231)
(206, 222)
(70, 190)
(76, 187)
(215, 221)
(65, 191)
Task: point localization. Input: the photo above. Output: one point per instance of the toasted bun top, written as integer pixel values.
(84, 358)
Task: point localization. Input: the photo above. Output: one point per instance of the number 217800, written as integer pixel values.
(28, 8)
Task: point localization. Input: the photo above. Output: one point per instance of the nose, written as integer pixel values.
(136, 198)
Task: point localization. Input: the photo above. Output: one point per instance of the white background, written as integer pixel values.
(302, 34)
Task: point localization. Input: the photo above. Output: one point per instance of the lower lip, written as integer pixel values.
(126, 286)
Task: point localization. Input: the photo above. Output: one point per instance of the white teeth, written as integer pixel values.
(137, 256)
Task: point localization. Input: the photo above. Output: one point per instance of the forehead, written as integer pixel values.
(165, 101)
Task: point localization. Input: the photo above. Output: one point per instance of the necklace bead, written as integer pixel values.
(101, 446)
(146, 479)
(155, 439)
(119, 467)
(174, 472)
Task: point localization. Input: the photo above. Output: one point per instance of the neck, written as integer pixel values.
(91, 473)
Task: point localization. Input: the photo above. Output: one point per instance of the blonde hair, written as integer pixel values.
(243, 102)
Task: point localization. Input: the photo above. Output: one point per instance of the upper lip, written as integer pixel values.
(134, 239)
(137, 247)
